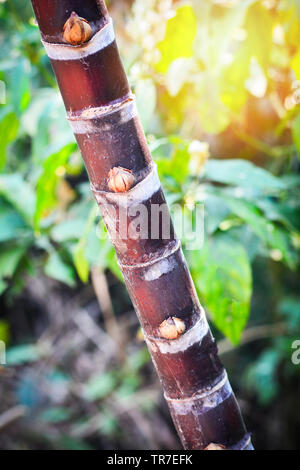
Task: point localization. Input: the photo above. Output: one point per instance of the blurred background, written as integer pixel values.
(218, 93)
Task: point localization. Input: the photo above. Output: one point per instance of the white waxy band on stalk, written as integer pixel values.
(169, 251)
(156, 270)
(103, 119)
(193, 336)
(243, 444)
(208, 399)
(140, 193)
(100, 41)
(248, 445)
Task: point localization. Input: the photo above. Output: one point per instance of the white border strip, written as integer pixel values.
(100, 41)
(184, 342)
(97, 120)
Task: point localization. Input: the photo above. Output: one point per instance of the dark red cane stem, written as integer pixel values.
(102, 113)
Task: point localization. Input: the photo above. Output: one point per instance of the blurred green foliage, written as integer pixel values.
(213, 79)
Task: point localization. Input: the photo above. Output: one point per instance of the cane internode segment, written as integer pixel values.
(102, 112)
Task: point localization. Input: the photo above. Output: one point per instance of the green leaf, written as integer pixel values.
(19, 193)
(12, 225)
(129, 386)
(68, 230)
(292, 181)
(261, 377)
(290, 308)
(242, 173)
(108, 424)
(179, 38)
(177, 166)
(96, 250)
(9, 126)
(81, 263)
(20, 85)
(39, 103)
(70, 443)
(47, 183)
(112, 263)
(55, 415)
(10, 257)
(100, 387)
(44, 121)
(274, 236)
(222, 275)
(216, 211)
(139, 359)
(4, 331)
(59, 270)
(288, 215)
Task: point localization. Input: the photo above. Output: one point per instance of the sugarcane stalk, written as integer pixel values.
(80, 42)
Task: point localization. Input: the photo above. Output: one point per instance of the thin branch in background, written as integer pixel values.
(255, 333)
(11, 416)
(101, 288)
(256, 144)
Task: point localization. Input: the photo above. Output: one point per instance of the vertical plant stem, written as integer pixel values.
(101, 289)
(103, 115)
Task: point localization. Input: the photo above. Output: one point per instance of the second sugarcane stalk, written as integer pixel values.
(79, 39)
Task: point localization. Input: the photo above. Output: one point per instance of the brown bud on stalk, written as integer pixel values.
(215, 447)
(77, 30)
(120, 180)
(172, 328)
